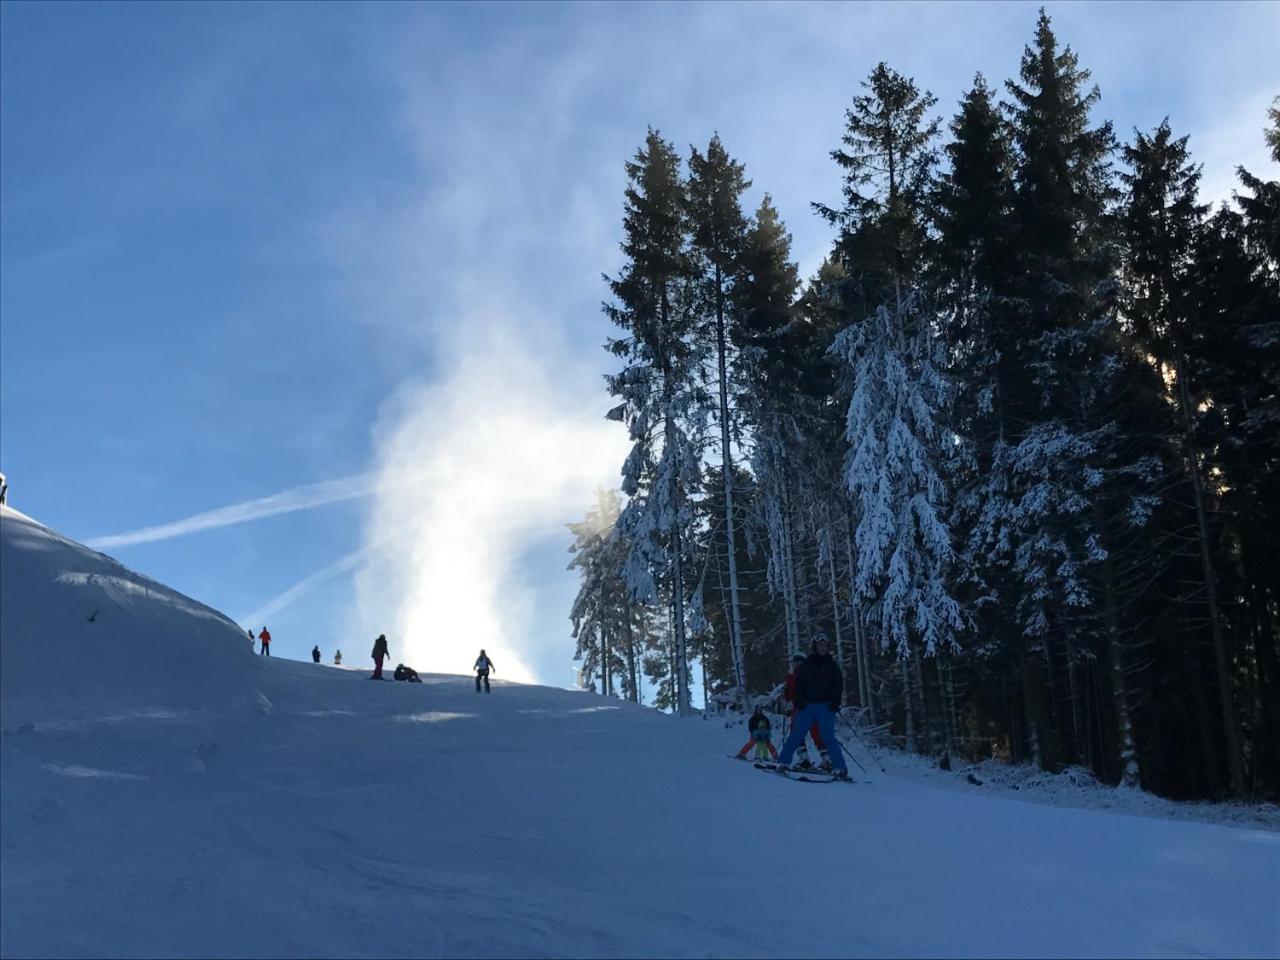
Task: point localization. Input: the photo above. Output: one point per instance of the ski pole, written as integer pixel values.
(849, 753)
(867, 747)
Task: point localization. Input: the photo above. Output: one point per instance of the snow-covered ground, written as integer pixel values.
(166, 793)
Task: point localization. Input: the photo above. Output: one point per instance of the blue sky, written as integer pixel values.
(341, 264)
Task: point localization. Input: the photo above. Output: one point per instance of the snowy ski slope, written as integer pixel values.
(166, 793)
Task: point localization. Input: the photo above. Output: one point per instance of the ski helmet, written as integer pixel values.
(797, 658)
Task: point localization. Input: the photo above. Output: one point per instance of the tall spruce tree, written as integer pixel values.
(768, 370)
(662, 402)
(896, 426)
(718, 228)
(1065, 264)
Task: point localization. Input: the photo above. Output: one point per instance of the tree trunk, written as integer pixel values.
(835, 617)
(906, 700)
(726, 460)
(1235, 764)
(633, 693)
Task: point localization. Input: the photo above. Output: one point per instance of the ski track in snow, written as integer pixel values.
(253, 807)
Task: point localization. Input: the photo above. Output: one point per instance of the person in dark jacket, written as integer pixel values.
(819, 693)
(482, 668)
(380, 653)
(407, 673)
(802, 754)
(315, 653)
(761, 731)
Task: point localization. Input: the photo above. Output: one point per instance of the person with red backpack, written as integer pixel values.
(265, 637)
(803, 762)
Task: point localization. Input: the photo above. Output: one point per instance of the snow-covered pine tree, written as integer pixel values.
(603, 615)
(1065, 281)
(971, 273)
(717, 229)
(768, 370)
(663, 403)
(892, 364)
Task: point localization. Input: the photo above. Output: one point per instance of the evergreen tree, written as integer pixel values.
(896, 425)
(718, 230)
(1056, 419)
(603, 614)
(662, 402)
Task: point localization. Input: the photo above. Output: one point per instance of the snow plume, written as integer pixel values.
(510, 458)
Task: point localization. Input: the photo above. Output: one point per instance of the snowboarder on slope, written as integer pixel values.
(761, 731)
(380, 653)
(819, 691)
(252, 641)
(483, 666)
(789, 695)
(407, 673)
(265, 637)
(337, 658)
(315, 653)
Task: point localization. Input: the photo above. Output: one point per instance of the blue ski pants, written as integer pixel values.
(825, 718)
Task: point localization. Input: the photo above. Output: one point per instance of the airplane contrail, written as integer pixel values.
(305, 497)
(282, 600)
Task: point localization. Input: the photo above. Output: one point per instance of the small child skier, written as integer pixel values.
(761, 736)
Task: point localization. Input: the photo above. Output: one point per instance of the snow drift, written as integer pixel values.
(83, 636)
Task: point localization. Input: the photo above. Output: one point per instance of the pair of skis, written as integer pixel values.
(802, 776)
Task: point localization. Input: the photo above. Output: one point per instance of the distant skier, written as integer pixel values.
(252, 640)
(4, 489)
(483, 666)
(761, 731)
(337, 658)
(380, 653)
(265, 637)
(789, 695)
(315, 653)
(407, 673)
(819, 688)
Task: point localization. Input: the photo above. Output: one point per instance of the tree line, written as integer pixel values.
(1013, 448)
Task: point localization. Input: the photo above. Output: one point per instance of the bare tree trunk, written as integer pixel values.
(906, 700)
(726, 460)
(789, 582)
(633, 694)
(859, 631)
(926, 714)
(682, 658)
(1235, 764)
(835, 615)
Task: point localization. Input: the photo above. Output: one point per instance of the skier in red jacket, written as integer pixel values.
(802, 755)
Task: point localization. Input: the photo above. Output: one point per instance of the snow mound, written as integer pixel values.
(83, 637)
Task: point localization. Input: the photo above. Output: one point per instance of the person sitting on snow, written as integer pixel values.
(407, 673)
(761, 731)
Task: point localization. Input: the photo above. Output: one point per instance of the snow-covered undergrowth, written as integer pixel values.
(204, 802)
(1074, 786)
